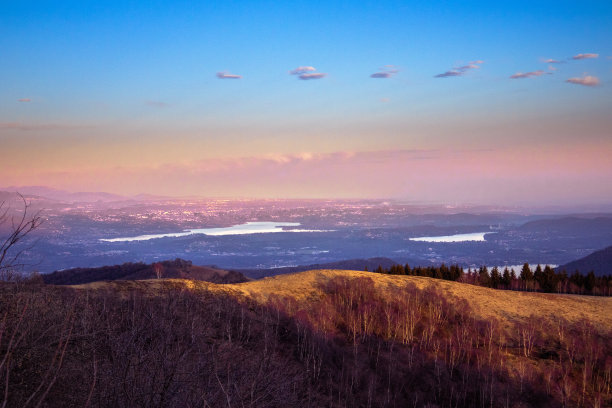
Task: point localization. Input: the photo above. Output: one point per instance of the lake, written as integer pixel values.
(472, 236)
(242, 229)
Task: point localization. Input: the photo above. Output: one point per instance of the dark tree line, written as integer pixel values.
(540, 280)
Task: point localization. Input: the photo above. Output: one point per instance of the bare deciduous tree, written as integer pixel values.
(14, 228)
(158, 268)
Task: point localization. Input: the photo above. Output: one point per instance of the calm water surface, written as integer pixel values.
(242, 229)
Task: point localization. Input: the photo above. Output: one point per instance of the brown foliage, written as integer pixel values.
(355, 345)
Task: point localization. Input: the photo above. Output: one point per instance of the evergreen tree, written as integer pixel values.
(506, 279)
(549, 279)
(526, 276)
(495, 277)
(538, 276)
(483, 276)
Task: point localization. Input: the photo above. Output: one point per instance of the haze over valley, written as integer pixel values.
(265, 234)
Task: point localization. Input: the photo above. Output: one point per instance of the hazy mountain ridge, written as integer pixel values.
(571, 225)
(63, 195)
(600, 262)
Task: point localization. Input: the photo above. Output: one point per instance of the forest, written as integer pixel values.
(545, 279)
(354, 346)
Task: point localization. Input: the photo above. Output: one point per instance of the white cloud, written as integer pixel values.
(586, 80)
(302, 70)
(227, 75)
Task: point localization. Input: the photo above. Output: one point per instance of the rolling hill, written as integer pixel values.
(177, 269)
(600, 262)
(349, 264)
(509, 307)
(331, 338)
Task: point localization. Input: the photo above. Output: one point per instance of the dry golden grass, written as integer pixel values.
(507, 306)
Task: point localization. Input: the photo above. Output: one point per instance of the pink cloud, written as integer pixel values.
(586, 80)
(442, 175)
(43, 126)
(302, 70)
(314, 75)
(460, 70)
(381, 75)
(24, 100)
(450, 74)
(585, 56)
(386, 71)
(520, 75)
(227, 75)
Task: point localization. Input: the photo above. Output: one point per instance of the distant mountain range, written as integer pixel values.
(177, 269)
(573, 225)
(78, 197)
(600, 262)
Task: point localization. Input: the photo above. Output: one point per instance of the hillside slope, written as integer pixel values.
(600, 262)
(506, 306)
(328, 338)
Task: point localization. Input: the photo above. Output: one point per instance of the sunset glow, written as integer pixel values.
(487, 103)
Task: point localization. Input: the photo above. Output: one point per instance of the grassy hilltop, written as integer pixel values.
(508, 307)
(317, 338)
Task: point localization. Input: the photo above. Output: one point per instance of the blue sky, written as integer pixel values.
(92, 73)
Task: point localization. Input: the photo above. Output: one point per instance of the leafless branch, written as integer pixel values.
(19, 227)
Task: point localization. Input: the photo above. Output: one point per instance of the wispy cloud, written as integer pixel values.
(521, 75)
(586, 80)
(460, 70)
(585, 56)
(24, 100)
(314, 75)
(551, 61)
(302, 70)
(43, 126)
(467, 67)
(307, 72)
(386, 71)
(381, 75)
(440, 175)
(156, 104)
(449, 74)
(227, 75)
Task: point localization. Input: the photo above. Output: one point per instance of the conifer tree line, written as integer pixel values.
(540, 280)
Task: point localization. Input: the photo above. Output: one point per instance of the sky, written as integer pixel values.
(505, 102)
